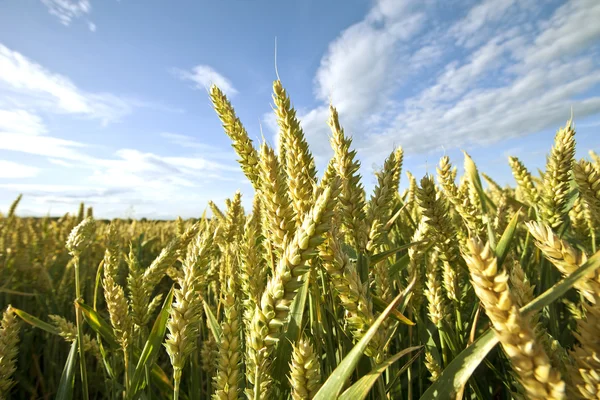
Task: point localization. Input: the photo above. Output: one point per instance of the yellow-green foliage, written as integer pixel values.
(266, 304)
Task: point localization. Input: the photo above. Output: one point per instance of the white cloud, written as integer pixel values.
(204, 76)
(12, 170)
(186, 141)
(360, 68)
(361, 71)
(42, 145)
(41, 199)
(68, 10)
(60, 162)
(41, 88)
(572, 28)
(142, 175)
(21, 121)
(517, 76)
(201, 150)
(133, 168)
(468, 30)
(589, 124)
(425, 56)
(92, 26)
(147, 173)
(17, 128)
(148, 181)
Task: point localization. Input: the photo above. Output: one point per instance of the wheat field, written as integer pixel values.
(455, 288)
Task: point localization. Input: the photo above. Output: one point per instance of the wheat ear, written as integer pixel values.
(299, 163)
(351, 292)
(277, 207)
(113, 293)
(9, 348)
(293, 264)
(305, 371)
(233, 127)
(227, 380)
(564, 257)
(352, 196)
(187, 309)
(514, 331)
(557, 177)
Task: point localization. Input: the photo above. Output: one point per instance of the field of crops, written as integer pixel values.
(454, 288)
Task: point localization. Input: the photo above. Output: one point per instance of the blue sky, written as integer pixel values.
(105, 101)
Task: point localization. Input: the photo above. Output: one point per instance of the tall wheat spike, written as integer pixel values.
(299, 163)
(351, 292)
(585, 374)
(416, 256)
(557, 177)
(525, 181)
(253, 271)
(9, 348)
(518, 340)
(378, 210)
(113, 293)
(233, 127)
(227, 380)
(293, 264)
(352, 196)
(216, 211)
(378, 214)
(279, 215)
(437, 307)
(186, 311)
(435, 211)
(305, 371)
(234, 220)
(564, 257)
(139, 298)
(257, 356)
(588, 181)
(463, 205)
(68, 331)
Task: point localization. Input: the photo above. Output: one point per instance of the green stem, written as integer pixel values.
(409, 371)
(362, 262)
(525, 249)
(177, 379)
(126, 362)
(257, 382)
(442, 344)
(459, 325)
(79, 322)
(148, 391)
